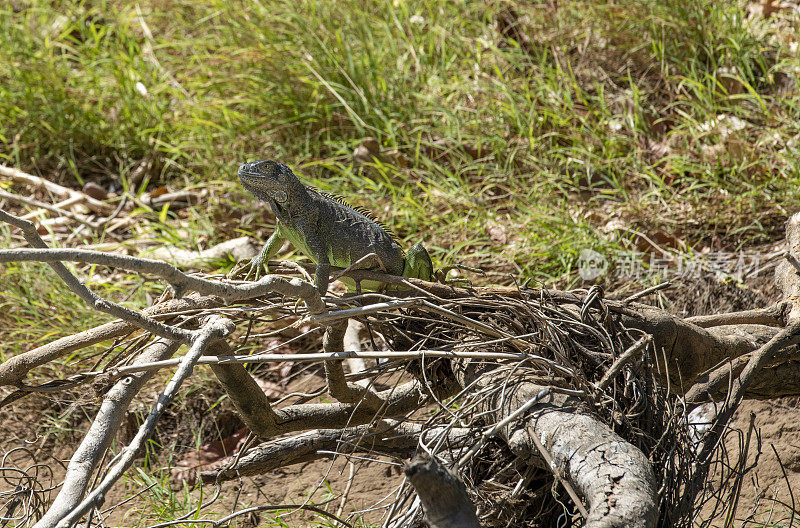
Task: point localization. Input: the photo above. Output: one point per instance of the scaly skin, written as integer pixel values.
(329, 231)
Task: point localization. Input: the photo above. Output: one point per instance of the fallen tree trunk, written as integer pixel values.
(560, 434)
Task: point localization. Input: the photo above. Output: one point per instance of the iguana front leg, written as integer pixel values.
(270, 249)
(319, 253)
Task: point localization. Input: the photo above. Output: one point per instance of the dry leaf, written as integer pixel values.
(95, 191)
(369, 149)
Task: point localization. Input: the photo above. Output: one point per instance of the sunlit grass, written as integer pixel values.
(549, 123)
(480, 123)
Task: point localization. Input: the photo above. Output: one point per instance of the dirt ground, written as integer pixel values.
(769, 491)
(320, 481)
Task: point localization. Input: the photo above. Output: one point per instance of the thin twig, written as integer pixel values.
(646, 292)
(48, 207)
(28, 179)
(793, 261)
(492, 431)
(317, 356)
(329, 317)
(626, 357)
(788, 484)
(348, 486)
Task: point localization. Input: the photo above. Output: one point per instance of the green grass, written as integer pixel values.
(550, 134)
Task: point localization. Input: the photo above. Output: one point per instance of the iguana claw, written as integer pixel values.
(260, 261)
(256, 265)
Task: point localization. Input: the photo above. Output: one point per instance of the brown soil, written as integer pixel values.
(313, 482)
(766, 493)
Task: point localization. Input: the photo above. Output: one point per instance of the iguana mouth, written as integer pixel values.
(247, 170)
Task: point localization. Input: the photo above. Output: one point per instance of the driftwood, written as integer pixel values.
(443, 495)
(545, 373)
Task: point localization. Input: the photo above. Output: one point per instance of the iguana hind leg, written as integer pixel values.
(365, 262)
(418, 263)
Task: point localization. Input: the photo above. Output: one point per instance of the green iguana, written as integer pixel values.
(325, 228)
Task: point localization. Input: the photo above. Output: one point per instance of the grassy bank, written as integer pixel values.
(507, 131)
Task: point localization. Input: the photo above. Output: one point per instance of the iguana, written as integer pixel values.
(325, 228)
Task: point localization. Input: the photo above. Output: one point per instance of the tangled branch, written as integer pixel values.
(519, 387)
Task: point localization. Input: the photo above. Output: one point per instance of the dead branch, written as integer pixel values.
(238, 249)
(98, 438)
(775, 315)
(253, 403)
(48, 207)
(777, 378)
(361, 311)
(687, 350)
(352, 342)
(442, 493)
(179, 281)
(386, 437)
(787, 276)
(714, 384)
(34, 181)
(14, 369)
(628, 356)
(301, 448)
(214, 328)
(338, 387)
(313, 357)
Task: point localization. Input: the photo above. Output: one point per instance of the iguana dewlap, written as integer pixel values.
(325, 227)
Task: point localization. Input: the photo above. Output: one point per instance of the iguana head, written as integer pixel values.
(270, 181)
